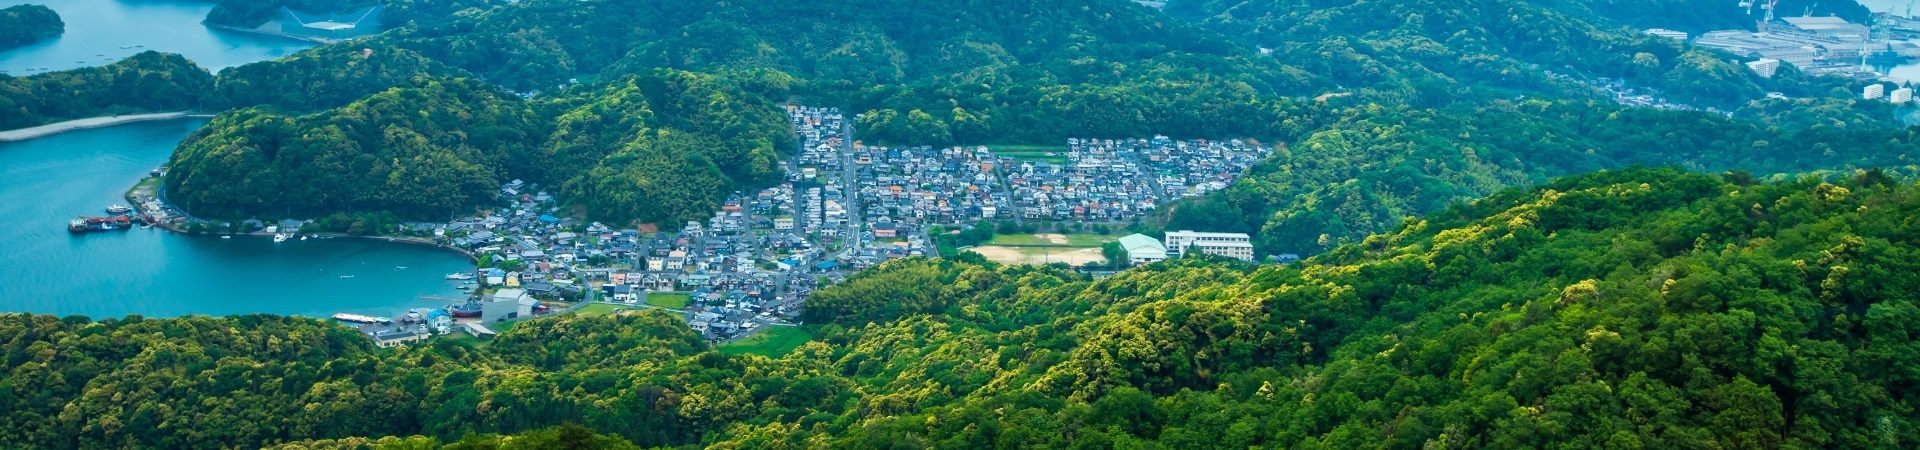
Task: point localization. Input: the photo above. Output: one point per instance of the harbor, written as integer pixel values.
(1885, 48)
(153, 273)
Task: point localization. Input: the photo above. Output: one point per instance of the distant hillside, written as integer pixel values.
(23, 24)
(253, 13)
(1368, 171)
(1645, 308)
(1430, 52)
(145, 82)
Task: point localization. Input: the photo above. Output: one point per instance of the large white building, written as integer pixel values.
(1873, 91)
(1142, 249)
(1901, 95)
(1231, 245)
(1765, 67)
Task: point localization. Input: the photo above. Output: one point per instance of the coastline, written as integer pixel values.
(133, 194)
(91, 122)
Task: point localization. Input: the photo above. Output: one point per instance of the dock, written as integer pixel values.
(356, 318)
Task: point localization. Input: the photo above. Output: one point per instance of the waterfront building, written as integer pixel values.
(1232, 245)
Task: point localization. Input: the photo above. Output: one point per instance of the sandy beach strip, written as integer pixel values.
(81, 124)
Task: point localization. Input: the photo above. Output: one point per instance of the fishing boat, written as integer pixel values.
(85, 224)
(459, 276)
(118, 209)
(469, 309)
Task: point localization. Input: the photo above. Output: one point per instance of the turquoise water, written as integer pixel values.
(43, 269)
(96, 29)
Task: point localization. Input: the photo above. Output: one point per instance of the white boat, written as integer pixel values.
(303, 238)
(343, 277)
(118, 209)
(459, 276)
(399, 267)
(280, 237)
(226, 237)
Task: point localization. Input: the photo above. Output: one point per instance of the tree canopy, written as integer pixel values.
(23, 24)
(145, 82)
(1642, 307)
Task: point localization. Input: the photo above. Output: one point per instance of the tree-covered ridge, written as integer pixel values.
(665, 147)
(978, 70)
(428, 151)
(323, 77)
(1376, 166)
(23, 24)
(1645, 308)
(145, 82)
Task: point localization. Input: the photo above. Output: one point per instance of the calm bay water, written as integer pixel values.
(100, 27)
(45, 182)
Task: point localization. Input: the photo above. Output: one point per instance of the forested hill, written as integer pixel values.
(145, 82)
(23, 24)
(662, 147)
(1645, 308)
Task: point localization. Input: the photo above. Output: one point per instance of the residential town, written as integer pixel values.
(843, 207)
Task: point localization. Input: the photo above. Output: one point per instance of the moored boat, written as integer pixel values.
(86, 224)
(459, 276)
(119, 209)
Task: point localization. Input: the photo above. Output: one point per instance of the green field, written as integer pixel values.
(1032, 152)
(1072, 240)
(599, 309)
(673, 300)
(771, 342)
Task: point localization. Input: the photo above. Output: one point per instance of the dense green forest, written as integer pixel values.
(23, 24)
(1643, 308)
(145, 82)
(1375, 166)
(425, 151)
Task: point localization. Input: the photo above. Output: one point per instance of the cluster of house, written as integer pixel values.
(1194, 168)
(1118, 180)
(903, 190)
(879, 201)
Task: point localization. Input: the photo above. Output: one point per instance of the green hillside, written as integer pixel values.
(1646, 308)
